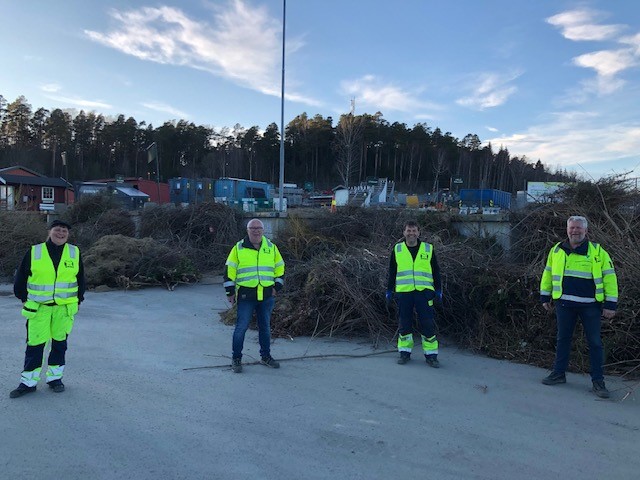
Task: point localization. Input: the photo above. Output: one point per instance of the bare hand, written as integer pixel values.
(547, 306)
(232, 299)
(608, 313)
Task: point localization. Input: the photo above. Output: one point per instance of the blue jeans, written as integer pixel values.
(566, 318)
(245, 312)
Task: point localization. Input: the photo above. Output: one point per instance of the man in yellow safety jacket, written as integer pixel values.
(414, 280)
(580, 279)
(255, 273)
(50, 283)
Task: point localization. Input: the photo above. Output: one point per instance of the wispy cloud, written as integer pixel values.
(164, 108)
(491, 91)
(492, 129)
(580, 25)
(241, 43)
(371, 92)
(607, 63)
(633, 41)
(79, 102)
(50, 88)
(575, 138)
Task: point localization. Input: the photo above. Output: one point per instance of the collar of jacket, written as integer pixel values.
(415, 246)
(246, 243)
(581, 249)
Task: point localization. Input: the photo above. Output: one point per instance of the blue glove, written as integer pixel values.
(439, 295)
(389, 296)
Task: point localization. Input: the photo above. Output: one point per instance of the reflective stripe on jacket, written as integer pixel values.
(247, 267)
(596, 265)
(413, 274)
(45, 284)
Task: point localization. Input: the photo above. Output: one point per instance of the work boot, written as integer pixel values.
(403, 359)
(554, 378)
(56, 385)
(432, 361)
(270, 362)
(236, 365)
(21, 390)
(600, 389)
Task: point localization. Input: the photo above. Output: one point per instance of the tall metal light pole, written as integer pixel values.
(281, 195)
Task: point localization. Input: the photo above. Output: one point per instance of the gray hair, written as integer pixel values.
(255, 220)
(577, 218)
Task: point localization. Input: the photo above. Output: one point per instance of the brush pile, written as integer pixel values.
(337, 274)
(20, 230)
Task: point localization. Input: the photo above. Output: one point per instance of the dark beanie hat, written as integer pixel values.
(59, 223)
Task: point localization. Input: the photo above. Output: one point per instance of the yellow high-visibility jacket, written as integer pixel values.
(413, 275)
(566, 275)
(251, 268)
(45, 284)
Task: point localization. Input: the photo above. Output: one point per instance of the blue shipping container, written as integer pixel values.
(485, 197)
(181, 190)
(237, 189)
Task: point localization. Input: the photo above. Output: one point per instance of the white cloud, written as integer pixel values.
(164, 108)
(582, 24)
(575, 138)
(634, 42)
(493, 90)
(80, 102)
(579, 25)
(492, 129)
(241, 44)
(50, 88)
(607, 63)
(370, 92)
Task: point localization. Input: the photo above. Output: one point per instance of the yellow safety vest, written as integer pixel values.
(48, 285)
(413, 274)
(597, 265)
(247, 267)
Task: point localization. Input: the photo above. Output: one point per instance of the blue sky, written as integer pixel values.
(553, 80)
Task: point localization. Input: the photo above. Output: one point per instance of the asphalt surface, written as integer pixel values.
(132, 411)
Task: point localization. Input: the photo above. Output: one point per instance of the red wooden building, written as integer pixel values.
(24, 189)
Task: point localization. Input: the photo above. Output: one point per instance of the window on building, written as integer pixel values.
(47, 194)
(254, 192)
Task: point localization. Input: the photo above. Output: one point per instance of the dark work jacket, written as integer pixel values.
(435, 270)
(24, 272)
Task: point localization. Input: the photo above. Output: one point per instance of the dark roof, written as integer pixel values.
(25, 180)
(20, 167)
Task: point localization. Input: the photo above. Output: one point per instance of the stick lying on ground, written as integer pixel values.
(304, 357)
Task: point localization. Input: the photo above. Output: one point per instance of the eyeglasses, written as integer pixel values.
(256, 228)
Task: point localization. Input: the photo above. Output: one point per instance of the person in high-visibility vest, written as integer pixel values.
(255, 273)
(414, 280)
(580, 280)
(50, 282)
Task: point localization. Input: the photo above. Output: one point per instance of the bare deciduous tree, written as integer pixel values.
(348, 136)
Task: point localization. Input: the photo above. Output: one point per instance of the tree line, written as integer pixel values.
(81, 146)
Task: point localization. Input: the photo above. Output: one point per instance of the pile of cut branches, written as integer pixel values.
(119, 261)
(180, 243)
(337, 273)
(19, 230)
